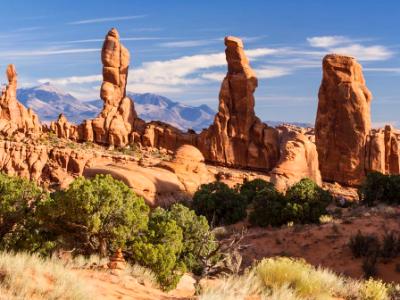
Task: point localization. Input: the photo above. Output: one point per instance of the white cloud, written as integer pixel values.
(188, 44)
(142, 38)
(272, 72)
(102, 20)
(261, 73)
(384, 70)
(366, 53)
(45, 52)
(327, 41)
(73, 80)
(214, 76)
(346, 46)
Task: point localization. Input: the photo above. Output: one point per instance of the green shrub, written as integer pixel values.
(249, 189)
(378, 187)
(269, 208)
(159, 249)
(220, 204)
(96, 215)
(364, 245)
(19, 199)
(307, 202)
(198, 240)
(304, 202)
(390, 245)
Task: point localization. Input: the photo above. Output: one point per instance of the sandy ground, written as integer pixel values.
(327, 244)
(108, 286)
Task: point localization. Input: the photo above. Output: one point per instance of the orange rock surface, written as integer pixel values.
(343, 120)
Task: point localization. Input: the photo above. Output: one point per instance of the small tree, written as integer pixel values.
(97, 214)
(249, 189)
(198, 240)
(269, 208)
(159, 249)
(19, 199)
(307, 201)
(220, 204)
(378, 187)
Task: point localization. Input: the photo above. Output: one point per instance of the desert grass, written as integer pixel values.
(25, 276)
(294, 279)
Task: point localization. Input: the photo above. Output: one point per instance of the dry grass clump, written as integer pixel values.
(294, 279)
(25, 276)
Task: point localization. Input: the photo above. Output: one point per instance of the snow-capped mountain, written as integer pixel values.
(49, 101)
(154, 107)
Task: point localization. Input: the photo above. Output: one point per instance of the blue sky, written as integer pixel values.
(177, 48)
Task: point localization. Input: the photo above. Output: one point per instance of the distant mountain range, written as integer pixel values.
(49, 101)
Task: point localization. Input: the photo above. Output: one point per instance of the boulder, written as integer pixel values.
(298, 159)
(188, 164)
(343, 120)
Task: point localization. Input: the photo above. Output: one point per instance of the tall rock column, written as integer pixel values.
(13, 115)
(237, 137)
(114, 124)
(343, 120)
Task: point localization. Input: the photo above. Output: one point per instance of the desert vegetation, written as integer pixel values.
(305, 202)
(294, 279)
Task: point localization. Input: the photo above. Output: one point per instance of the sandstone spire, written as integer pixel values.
(343, 120)
(237, 137)
(13, 115)
(114, 124)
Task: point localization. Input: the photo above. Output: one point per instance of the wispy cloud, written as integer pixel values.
(366, 53)
(346, 46)
(142, 38)
(102, 20)
(28, 29)
(383, 70)
(72, 80)
(189, 43)
(327, 41)
(170, 76)
(45, 52)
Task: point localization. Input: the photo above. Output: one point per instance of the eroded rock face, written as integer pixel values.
(238, 137)
(383, 151)
(14, 117)
(114, 125)
(298, 159)
(188, 164)
(343, 120)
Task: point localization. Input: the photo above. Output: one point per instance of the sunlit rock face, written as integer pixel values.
(343, 120)
(237, 137)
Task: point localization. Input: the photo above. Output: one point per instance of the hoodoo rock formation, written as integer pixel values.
(114, 125)
(298, 158)
(343, 120)
(14, 117)
(237, 137)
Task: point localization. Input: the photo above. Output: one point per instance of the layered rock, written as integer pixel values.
(14, 117)
(237, 137)
(188, 164)
(114, 125)
(383, 151)
(298, 159)
(343, 120)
